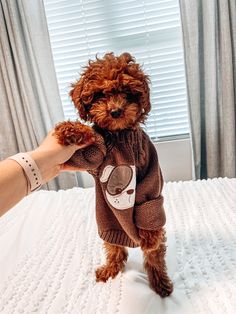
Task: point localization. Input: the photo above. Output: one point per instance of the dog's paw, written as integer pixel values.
(104, 272)
(69, 133)
(162, 285)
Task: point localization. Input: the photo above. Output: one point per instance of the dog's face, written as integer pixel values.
(113, 93)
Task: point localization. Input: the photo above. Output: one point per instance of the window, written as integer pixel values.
(148, 29)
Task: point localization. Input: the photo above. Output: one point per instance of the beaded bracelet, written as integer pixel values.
(31, 170)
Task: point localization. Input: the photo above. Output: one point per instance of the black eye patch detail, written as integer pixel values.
(118, 190)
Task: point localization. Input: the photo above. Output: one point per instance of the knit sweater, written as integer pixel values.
(128, 184)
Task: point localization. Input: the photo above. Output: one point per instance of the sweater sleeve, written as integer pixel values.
(149, 211)
(91, 157)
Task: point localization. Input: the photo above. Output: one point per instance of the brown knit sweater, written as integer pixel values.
(128, 184)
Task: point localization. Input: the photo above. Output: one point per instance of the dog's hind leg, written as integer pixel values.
(116, 257)
(154, 250)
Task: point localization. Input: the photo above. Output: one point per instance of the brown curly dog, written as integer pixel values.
(113, 95)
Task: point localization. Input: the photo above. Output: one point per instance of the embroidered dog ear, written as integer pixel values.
(119, 179)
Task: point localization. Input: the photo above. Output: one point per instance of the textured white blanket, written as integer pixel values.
(49, 249)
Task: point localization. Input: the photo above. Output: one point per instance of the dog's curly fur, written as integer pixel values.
(113, 94)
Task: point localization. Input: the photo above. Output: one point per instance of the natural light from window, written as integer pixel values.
(149, 29)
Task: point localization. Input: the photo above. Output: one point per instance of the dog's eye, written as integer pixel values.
(132, 98)
(87, 107)
(97, 96)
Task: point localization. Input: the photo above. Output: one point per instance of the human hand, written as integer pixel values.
(51, 156)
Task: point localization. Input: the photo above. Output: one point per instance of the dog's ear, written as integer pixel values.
(145, 98)
(75, 94)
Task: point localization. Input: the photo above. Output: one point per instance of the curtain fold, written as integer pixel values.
(209, 35)
(30, 104)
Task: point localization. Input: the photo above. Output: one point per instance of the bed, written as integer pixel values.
(49, 249)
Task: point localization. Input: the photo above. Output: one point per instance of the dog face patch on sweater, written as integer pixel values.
(120, 185)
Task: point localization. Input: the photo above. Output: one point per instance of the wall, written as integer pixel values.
(175, 159)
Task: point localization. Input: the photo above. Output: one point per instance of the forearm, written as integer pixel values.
(50, 157)
(13, 181)
(13, 184)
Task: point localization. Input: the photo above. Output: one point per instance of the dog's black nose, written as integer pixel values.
(115, 113)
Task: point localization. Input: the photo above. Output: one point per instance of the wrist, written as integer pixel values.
(30, 169)
(46, 164)
(40, 162)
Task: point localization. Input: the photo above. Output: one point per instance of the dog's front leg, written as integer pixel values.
(69, 133)
(154, 250)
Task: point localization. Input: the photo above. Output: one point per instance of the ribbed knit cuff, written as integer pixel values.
(117, 237)
(150, 215)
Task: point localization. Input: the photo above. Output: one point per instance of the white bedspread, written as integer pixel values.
(49, 249)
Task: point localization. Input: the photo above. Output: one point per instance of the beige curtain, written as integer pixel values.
(209, 34)
(29, 99)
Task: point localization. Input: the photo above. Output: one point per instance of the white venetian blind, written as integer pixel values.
(148, 29)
